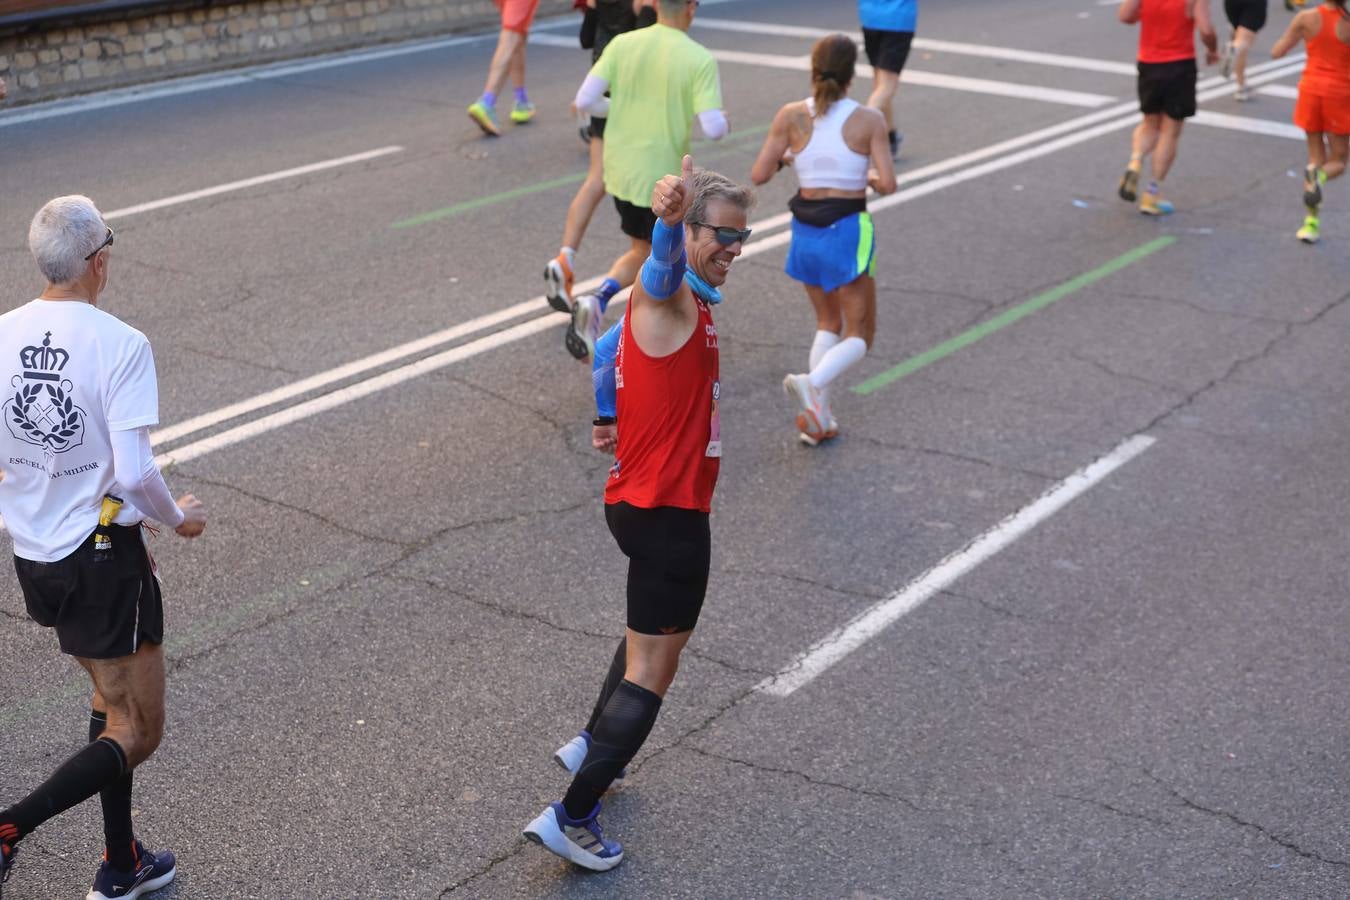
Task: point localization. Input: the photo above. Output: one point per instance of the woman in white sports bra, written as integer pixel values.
(830, 140)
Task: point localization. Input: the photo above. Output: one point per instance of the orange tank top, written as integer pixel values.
(1166, 33)
(1327, 73)
(670, 436)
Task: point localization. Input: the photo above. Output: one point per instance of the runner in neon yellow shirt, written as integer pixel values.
(659, 80)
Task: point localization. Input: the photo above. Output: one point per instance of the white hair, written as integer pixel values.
(63, 233)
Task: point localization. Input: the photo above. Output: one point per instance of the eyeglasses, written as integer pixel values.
(726, 235)
(107, 242)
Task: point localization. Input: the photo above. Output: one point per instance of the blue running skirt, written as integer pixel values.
(834, 256)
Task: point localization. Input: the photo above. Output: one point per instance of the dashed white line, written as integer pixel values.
(817, 659)
(251, 182)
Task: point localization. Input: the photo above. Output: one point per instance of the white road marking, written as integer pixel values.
(1248, 124)
(1287, 91)
(810, 664)
(929, 79)
(251, 182)
(1011, 54)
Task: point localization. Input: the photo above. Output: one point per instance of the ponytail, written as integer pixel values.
(832, 61)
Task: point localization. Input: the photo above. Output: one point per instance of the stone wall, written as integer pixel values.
(67, 57)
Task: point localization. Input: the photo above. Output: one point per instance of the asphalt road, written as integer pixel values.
(406, 595)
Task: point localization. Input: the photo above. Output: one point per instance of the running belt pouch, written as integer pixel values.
(587, 35)
(825, 212)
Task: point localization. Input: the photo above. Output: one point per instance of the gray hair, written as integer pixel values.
(63, 233)
(709, 185)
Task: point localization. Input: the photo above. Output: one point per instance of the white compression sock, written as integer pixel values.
(822, 344)
(835, 362)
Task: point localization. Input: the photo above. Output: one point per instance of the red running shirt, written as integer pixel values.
(1166, 33)
(1327, 72)
(670, 438)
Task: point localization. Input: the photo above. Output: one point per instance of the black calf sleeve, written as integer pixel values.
(97, 766)
(116, 798)
(612, 678)
(618, 736)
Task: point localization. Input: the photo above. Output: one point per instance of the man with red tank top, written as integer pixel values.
(658, 390)
(1167, 75)
(1323, 108)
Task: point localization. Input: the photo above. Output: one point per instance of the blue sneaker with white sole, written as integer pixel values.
(579, 841)
(572, 754)
(151, 872)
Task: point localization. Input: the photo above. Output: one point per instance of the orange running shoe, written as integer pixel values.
(558, 279)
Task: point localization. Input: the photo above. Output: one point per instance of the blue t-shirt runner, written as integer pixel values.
(888, 29)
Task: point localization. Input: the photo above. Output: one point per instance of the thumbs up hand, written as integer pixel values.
(674, 194)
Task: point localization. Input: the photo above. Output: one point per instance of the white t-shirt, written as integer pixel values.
(73, 374)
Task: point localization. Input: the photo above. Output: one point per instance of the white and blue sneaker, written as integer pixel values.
(572, 754)
(584, 329)
(151, 872)
(578, 841)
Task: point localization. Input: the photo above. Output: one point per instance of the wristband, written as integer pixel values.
(601, 421)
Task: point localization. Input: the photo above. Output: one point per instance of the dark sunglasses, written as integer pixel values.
(107, 242)
(726, 235)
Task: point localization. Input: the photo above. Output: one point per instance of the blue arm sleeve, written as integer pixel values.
(663, 272)
(602, 370)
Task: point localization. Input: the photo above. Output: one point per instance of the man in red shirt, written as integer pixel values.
(664, 386)
(1167, 75)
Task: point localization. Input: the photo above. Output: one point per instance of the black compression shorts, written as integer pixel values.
(103, 603)
(669, 554)
(1168, 88)
(636, 221)
(887, 50)
(1249, 14)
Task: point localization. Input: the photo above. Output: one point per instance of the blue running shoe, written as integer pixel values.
(7, 852)
(578, 841)
(151, 872)
(572, 754)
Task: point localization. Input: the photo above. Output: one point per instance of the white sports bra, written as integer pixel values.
(826, 161)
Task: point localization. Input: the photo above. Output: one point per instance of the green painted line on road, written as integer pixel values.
(525, 190)
(1008, 317)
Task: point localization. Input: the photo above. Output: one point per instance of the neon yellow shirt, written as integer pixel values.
(659, 80)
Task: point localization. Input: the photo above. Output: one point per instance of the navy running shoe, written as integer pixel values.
(578, 841)
(151, 872)
(7, 852)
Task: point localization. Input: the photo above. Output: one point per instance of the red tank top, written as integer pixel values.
(670, 440)
(1327, 73)
(1166, 33)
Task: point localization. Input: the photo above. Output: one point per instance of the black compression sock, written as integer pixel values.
(82, 776)
(618, 736)
(116, 798)
(612, 678)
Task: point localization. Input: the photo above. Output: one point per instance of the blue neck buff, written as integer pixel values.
(704, 291)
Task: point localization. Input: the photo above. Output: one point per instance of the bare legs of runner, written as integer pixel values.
(884, 85)
(130, 689)
(1243, 39)
(1156, 136)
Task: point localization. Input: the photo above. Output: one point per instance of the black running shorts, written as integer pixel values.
(103, 603)
(669, 553)
(1167, 88)
(1248, 14)
(887, 50)
(636, 221)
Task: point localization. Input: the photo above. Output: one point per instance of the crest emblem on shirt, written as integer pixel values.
(42, 411)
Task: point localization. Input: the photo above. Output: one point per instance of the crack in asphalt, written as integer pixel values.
(1161, 823)
(951, 454)
(188, 473)
(497, 860)
(809, 779)
(764, 573)
(1204, 310)
(1238, 820)
(1126, 376)
(565, 430)
(252, 364)
(993, 607)
(1287, 329)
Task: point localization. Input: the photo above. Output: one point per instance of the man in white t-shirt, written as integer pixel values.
(79, 478)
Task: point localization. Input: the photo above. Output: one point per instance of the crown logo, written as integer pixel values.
(43, 363)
